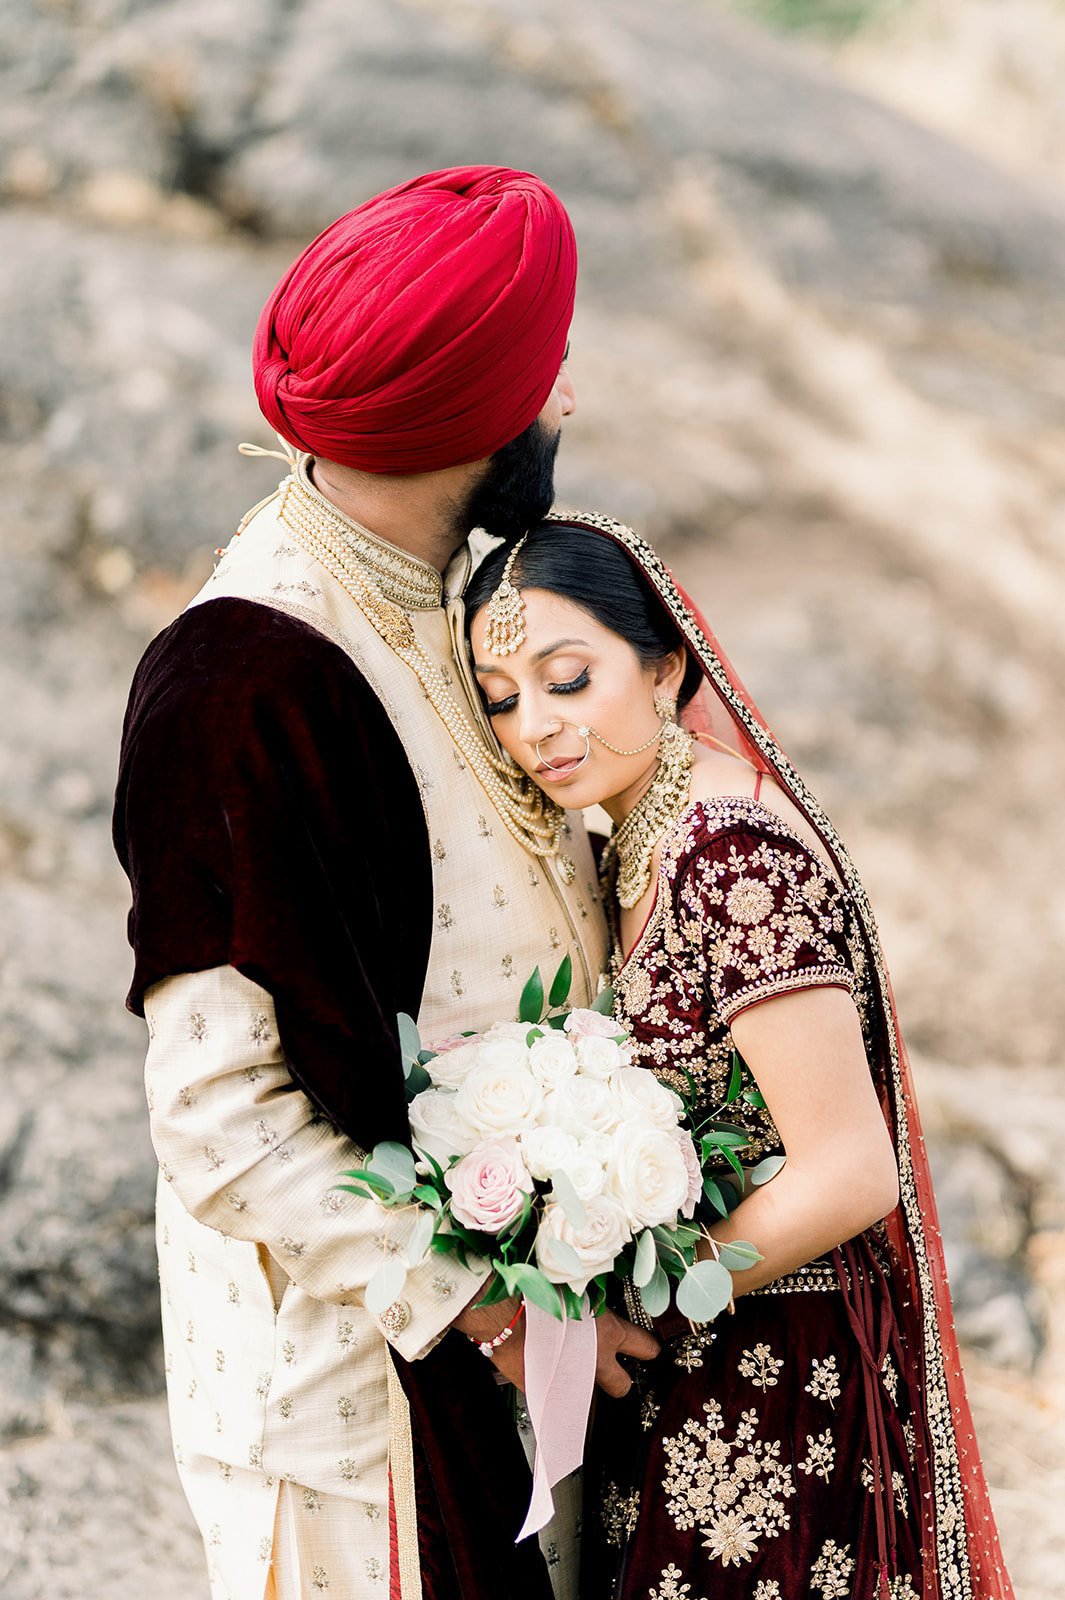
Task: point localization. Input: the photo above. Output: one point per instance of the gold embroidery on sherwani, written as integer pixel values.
(734, 1492)
(831, 1572)
(620, 1513)
(761, 1366)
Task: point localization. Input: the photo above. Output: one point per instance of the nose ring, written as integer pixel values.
(587, 750)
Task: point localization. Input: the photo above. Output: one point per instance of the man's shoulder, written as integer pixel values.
(243, 652)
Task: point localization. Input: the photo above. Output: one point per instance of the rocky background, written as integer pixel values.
(820, 356)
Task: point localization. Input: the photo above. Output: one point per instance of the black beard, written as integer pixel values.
(518, 488)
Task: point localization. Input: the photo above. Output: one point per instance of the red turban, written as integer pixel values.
(425, 328)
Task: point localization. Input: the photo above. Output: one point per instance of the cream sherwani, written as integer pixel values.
(278, 1377)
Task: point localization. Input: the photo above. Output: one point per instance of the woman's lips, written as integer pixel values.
(559, 770)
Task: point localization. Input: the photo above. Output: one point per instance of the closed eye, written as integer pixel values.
(499, 708)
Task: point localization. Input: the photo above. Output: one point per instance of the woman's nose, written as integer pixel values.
(535, 725)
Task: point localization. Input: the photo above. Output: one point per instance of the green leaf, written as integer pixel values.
(530, 1281)
(645, 1260)
(563, 1191)
(596, 1296)
(755, 1098)
(656, 1294)
(498, 1287)
(560, 983)
(573, 1303)
(603, 1002)
(765, 1170)
(383, 1188)
(566, 1257)
(357, 1189)
(386, 1285)
(420, 1238)
(738, 1254)
(532, 1036)
(735, 1139)
(395, 1162)
(531, 1004)
(556, 1022)
(425, 1056)
(734, 1163)
(712, 1191)
(427, 1195)
(410, 1044)
(735, 1082)
(417, 1080)
(704, 1291)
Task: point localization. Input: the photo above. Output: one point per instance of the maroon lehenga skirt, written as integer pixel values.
(769, 1457)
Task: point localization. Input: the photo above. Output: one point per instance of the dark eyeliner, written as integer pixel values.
(579, 682)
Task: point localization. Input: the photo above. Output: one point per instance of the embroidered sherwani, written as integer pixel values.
(282, 1391)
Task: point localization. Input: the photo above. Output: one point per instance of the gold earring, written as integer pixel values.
(665, 707)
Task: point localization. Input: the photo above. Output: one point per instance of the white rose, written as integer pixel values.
(583, 1024)
(488, 1186)
(597, 1243)
(599, 1058)
(546, 1149)
(581, 1105)
(647, 1174)
(639, 1094)
(438, 1128)
(509, 1030)
(687, 1149)
(499, 1097)
(449, 1069)
(502, 1051)
(587, 1175)
(552, 1058)
(598, 1146)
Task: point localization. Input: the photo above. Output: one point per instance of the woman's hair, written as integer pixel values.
(594, 572)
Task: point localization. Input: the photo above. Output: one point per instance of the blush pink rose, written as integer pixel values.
(488, 1186)
(454, 1041)
(695, 1176)
(592, 1025)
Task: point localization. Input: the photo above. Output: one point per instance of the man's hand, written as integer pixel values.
(614, 1337)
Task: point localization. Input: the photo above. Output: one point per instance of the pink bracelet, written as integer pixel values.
(488, 1345)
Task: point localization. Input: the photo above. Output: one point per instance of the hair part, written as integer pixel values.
(592, 571)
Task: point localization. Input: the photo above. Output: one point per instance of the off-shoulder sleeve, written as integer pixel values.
(767, 915)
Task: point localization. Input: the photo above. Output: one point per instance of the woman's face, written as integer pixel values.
(572, 672)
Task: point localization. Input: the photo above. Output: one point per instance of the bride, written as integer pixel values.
(818, 1441)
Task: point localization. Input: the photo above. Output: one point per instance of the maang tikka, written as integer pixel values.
(505, 613)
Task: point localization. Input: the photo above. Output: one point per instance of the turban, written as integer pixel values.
(423, 329)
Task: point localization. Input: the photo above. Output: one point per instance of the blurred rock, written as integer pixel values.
(819, 356)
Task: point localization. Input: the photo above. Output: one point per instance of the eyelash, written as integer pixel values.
(498, 708)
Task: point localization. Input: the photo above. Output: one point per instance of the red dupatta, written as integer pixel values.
(962, 1557)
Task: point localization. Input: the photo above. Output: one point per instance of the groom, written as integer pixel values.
(317, 839)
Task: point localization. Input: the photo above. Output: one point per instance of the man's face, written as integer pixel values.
(518, 486)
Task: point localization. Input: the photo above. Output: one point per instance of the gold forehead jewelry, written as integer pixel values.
(505, 613)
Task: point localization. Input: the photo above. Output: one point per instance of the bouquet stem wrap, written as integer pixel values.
(559, 1379)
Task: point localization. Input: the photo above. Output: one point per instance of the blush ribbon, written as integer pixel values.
(559, 1379)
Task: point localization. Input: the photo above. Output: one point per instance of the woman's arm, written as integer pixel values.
(806, 1054)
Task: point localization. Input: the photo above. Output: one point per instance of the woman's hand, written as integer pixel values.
(614, 1337)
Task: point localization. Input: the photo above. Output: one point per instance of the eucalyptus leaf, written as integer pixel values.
(396, 1163)
(420, 1238)
(560, 983)
(410, 1043)
(530, 1281)
(704, 1291)
(563, 1191)
(655, 1295)
(645, 1260)
(417, 1080)
(738, 1254)
(386, 1285)
(765, 1170)
(603, 1002)
(566, 1258)
(531, 1004)
(735, 1082)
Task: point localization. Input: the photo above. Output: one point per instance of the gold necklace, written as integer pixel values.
(633, 843)
(533, 819)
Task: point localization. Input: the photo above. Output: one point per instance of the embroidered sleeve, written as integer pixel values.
(248, 1155)
(768, 917)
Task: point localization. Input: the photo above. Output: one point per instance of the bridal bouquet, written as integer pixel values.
(540, 1147)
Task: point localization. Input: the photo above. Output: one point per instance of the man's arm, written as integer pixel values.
(249, 1157)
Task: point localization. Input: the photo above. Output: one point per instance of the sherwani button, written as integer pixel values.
(394, 1318)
